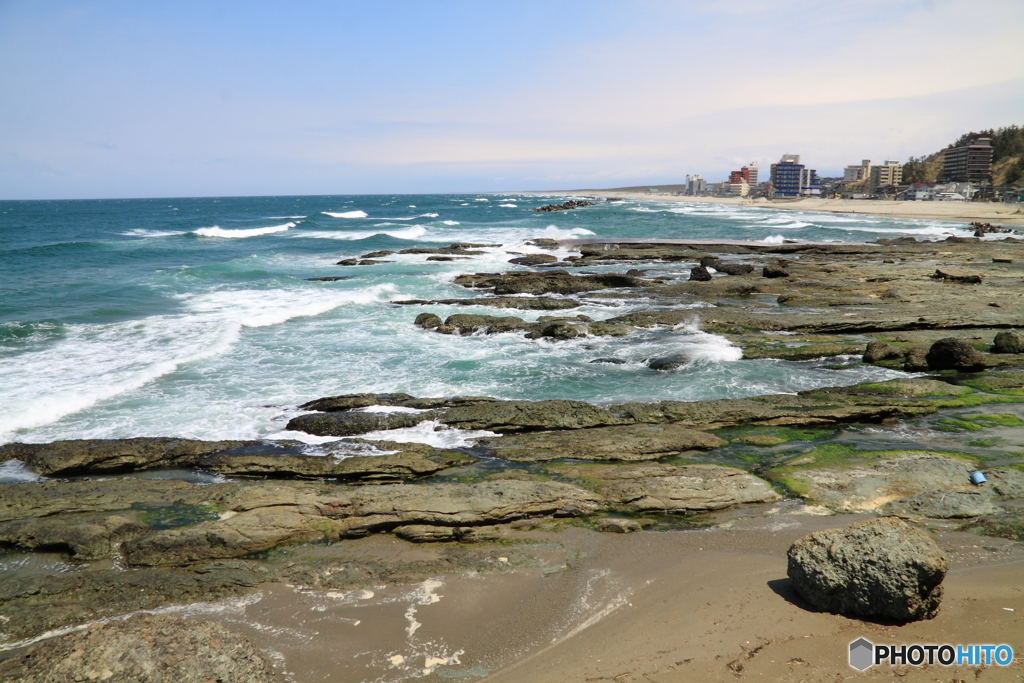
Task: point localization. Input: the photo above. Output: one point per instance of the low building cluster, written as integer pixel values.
(966, 176)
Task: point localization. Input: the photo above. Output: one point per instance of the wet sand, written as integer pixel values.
(695, 605)
(964, 212)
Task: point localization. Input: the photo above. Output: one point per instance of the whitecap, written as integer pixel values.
(509, 206)
(217, 231)
(428, 215)
(553, 232)
(432, 433)
(773, 239)
(413, 232)
(142, 232)
(93, 363)
(345, 214)
(481, 199)
(450, 222)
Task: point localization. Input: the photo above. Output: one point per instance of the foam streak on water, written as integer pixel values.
(122, 318)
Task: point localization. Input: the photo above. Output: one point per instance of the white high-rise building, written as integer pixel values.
(752, 168)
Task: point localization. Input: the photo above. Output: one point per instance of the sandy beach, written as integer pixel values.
(985, 212)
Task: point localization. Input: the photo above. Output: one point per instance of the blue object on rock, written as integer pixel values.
(978, 478)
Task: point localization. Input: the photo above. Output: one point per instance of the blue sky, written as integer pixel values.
(143, 99)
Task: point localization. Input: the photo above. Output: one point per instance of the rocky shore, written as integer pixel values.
(149, 522)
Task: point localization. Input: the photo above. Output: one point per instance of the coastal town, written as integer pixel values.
(986, 166)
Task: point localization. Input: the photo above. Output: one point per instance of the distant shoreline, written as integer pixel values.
(960, 212)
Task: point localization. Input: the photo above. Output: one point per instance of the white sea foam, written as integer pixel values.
(389, 409)
(14, 472)
(345, 214)
(450, 222)
(773, 239)
(509, 206)
(554, 232)
(142, 232)
(432, 433)
(217, 231)
(93, 363)
(481, 199)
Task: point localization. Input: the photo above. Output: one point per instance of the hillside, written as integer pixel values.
(1007, 158)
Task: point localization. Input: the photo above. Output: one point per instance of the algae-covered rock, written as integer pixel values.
(955, 354)
(877, 568)
(879, 350)
(113, 455)
(147, 648)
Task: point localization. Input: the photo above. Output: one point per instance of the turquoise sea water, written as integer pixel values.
(193, 317)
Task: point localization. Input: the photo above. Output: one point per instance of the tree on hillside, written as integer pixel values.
(1006, 142)
(914, 170)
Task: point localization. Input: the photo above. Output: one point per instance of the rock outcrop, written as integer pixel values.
(688, 488)
(628, 442)
(880, 568)
(145, 648)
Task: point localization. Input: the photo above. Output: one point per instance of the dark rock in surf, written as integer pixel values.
(699, 274)
(955, 354)
(774, 272)
(351, 423)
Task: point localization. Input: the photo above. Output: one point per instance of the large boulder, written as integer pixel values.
(879, 568)
(879, 350)
(145, 648)
(955, 354)
(700, 274)
(1008, 342)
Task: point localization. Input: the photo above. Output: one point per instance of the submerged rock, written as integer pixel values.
(616, 525)
(878, 568)
(145, 648)
(955, 354)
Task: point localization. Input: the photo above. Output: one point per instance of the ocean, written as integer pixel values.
(195, 318)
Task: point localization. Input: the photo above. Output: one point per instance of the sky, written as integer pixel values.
(148, 99)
